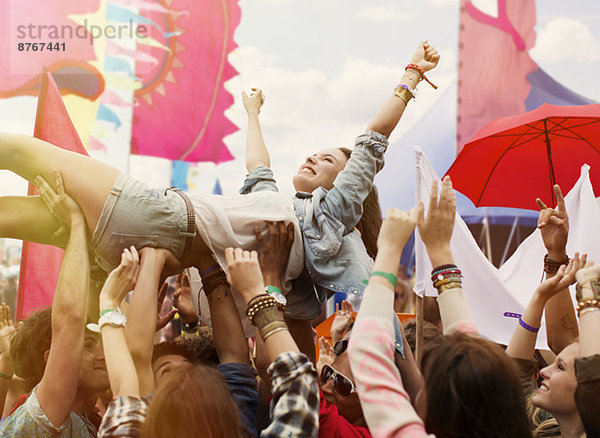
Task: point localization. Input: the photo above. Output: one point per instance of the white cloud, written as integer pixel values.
(308, 110)
(566, 39)
(384, 14)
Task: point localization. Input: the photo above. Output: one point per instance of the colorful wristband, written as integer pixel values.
(105, 311)
(5, 376)
(273, 290)
(390, 277)
(527, 326)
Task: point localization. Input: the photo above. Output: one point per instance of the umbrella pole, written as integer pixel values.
(550, 166)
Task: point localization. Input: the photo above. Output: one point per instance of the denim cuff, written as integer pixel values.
(255, 176)
(374, 140)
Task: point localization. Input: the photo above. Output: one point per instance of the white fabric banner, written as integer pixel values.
(492, 292)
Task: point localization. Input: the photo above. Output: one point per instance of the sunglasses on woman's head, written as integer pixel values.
(341, 384)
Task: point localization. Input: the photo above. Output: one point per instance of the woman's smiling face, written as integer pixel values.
(319, 170)
(556, 393)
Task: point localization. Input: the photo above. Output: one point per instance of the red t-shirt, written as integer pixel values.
(332, 424)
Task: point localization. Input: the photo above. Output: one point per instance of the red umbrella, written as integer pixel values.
(514, 160)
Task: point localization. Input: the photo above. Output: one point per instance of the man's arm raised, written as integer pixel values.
(58, 388)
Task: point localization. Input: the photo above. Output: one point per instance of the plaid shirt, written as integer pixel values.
(295, 404)
(123, 418)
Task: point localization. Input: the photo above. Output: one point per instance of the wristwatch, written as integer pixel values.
(114, 318)
(276, 293)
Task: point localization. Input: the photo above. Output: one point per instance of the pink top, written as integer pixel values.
(385, 403)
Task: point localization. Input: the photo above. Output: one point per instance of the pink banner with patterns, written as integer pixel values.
(181, 106)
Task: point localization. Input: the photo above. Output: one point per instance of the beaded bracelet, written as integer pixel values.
(260, 303)
(420, 70)
(445, 274)
(444, 268)
(527, 326)
(586, 303)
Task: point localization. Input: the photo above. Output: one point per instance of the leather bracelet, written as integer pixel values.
(551, 266)
(211, 282)
(270, 328)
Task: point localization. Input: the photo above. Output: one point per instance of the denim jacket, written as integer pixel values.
(335, 256)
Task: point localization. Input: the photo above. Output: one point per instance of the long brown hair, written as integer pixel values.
(370, 221)
(193, 400)
(472, 389)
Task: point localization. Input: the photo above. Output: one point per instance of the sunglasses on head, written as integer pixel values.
(341, 384)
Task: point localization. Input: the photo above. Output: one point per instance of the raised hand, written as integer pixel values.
(589, 272)
(326, 354)
(396, 229)
(163, 320)
(554, 226)
(563, 278)
(254, 101)
(425, 56)
(436, 229)
(342, 321)
(7, 330)
(274, 250)
(121, 280)
(61, 206)
(182, 299)
(243, 272)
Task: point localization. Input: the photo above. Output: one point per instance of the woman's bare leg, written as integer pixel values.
(27, 218)
(86, 180)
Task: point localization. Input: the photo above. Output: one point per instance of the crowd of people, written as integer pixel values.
(92, 364)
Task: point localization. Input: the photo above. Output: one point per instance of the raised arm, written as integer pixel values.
(256, 151)
(142, 314)
(7, 332)
(588, 282)
(58, 388)
(371, 347)
(228, 333)
(293, 376)
(388, 116)
(119, 363)
(436, 231)
(561, 324)
(522, 342)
